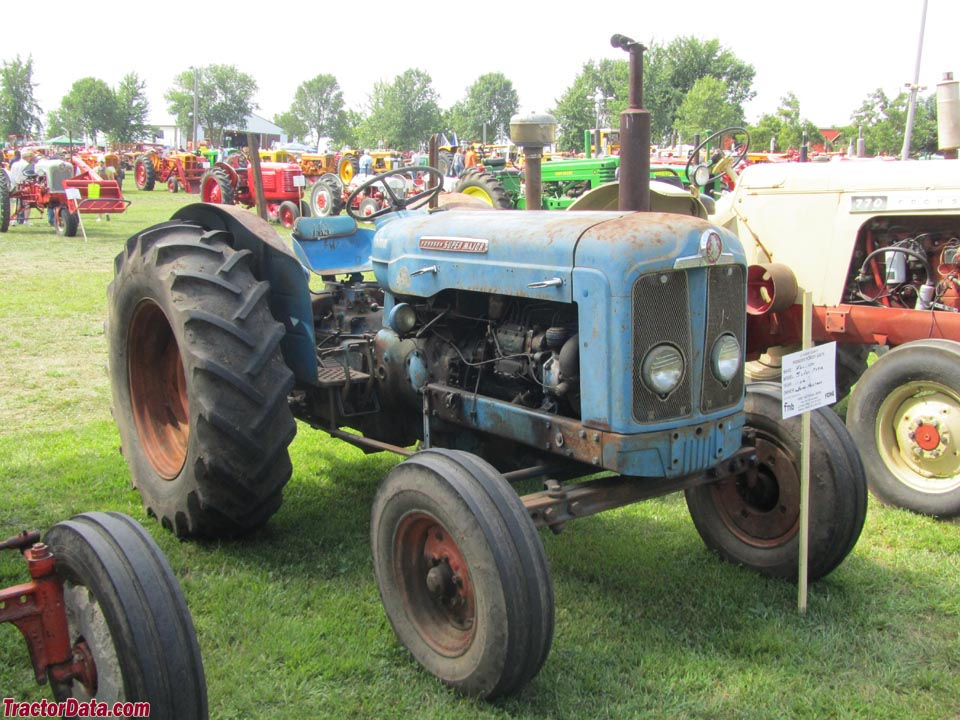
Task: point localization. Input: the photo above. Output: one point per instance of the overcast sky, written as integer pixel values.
(831, 54)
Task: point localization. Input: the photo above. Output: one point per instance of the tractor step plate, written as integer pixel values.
(337, 376)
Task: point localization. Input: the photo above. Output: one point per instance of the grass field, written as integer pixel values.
(649, 625)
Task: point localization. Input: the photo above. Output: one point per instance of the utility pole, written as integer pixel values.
(912, 106)
(195, 110)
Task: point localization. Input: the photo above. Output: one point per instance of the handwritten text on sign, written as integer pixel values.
(809, 379)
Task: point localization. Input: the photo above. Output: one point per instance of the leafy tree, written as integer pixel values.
(787, 125)
(596, 98)
(19, 111)
(292, 125)
(347, 133)
(707, 107)
(884, 122)
(61, 123)
(318, 105)
(91, 105)
(224, 99)
(490, 100)
(402, 113)
(670, 72)
(132, 111)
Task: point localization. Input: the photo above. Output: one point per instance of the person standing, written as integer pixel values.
(457, 164)
(366, 163)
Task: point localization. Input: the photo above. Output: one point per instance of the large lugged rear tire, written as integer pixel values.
(215, 187)
(199, 383)
(125, 608)
(485, 186)
(144, 174)
(753, 519)
(905, 417)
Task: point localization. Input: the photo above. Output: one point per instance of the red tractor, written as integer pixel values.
(178, 170)
(329, 196)
(50, 186)
(231, 183)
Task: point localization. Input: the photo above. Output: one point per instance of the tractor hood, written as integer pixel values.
(523, 254)
(532, 254)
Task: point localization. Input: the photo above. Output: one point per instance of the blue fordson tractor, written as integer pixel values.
(489, 347)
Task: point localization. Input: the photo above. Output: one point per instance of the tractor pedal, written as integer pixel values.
(329, 377)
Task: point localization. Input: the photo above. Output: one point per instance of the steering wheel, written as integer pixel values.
(395, 202)
(726, 162)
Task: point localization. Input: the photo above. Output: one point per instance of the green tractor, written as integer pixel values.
(499, 183)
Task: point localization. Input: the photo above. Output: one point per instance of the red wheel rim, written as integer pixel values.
(435, 583)
(762, 505)
(286, 217)
(211, 192)
(158, 390)
(141, 173)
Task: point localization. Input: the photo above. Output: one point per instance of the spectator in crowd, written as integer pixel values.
(20, 170)
(457, 164)
(366, 163)
(470, 157)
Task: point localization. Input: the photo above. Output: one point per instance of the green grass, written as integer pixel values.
(649, 625)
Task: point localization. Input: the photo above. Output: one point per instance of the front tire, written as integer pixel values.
(66, 223)
(462, 573)
(905, 417)
(199, 383)
(752, 519)
(126, 611)
(288, 214)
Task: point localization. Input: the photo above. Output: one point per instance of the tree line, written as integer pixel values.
(690, 86)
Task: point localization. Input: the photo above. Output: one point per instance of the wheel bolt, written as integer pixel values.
(912, 435)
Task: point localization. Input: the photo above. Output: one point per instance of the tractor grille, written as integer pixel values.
(725, 314)
(286, 181)
(661, 314)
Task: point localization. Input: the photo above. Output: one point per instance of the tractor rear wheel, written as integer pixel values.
(462, 573)
(288, 214)
(485, 186)
(752, 519)
(66, 222)
(215, 187)
(445, 160)
(199, 383)
(905, 417)
(4, 202)
(126, 618)
(348, 167)
(144, 174)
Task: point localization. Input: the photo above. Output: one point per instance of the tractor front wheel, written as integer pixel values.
(66, 223)
(173, 185)
(288, 214)
(462, 572)
(905, 417)
(127, 618)
(199, 382)
(144, 174)
(753, 518)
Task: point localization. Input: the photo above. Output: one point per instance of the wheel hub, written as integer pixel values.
(916, 428)
(761, 506)
(438, 592)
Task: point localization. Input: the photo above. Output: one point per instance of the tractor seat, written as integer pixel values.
(324, 227)
(330, 246)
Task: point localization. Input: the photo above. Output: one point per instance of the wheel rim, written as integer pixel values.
(478, 193)
(286, 217)
(92, 642)
(435, 584)
(211, 192)
(140, 175)
(346, 173)
(320, 203)
(158, 390)
(762, 505)
(918, 426)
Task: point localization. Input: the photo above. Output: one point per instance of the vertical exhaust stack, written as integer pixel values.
(948, 115)
(634, 134)
(532, 133)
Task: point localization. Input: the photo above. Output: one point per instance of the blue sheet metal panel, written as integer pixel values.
(483, 251)
(335, 255)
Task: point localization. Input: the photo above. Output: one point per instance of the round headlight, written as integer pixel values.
(725, 358)
(662, 369)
